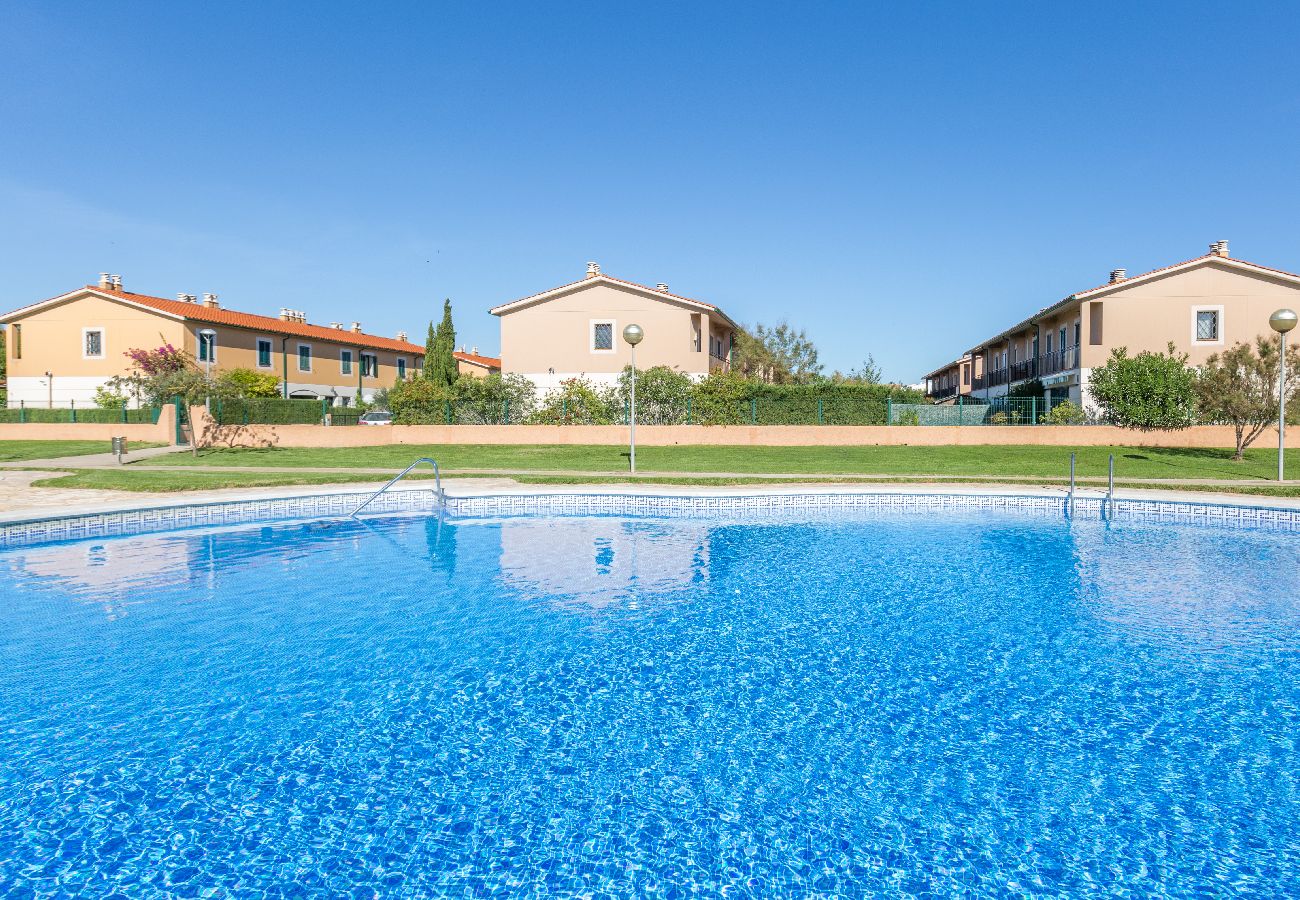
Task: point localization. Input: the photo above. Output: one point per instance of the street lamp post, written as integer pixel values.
(633, 335)
(1281, 321)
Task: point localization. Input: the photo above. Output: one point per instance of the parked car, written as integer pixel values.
(376, 418)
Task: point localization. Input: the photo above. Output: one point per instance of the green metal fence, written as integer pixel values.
(1001, 411)
(23, 414)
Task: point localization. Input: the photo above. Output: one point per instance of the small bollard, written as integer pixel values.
(119, 448)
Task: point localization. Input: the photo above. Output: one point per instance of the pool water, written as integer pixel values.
(926, 705)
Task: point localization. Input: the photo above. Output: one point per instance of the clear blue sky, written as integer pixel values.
(902, 179)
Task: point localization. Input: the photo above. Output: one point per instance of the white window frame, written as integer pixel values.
(310, 357)
(257, 353)
(1218, 341)
(613, 336)
(103, 342)
(345, 355)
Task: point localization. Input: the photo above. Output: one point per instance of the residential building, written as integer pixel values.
(62, 349)
(1201, 306)
(577, 330)
(475, 365)
(948, 382)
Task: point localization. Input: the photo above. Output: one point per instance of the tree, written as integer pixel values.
(776, 355)
(439, 359)
(160, 374)
(1147, 392)
(869, 373)
(1239, 387)
(430, 351)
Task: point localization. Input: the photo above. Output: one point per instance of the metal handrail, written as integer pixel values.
(437, 483)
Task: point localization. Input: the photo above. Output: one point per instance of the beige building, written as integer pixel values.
(60, 350)
(577, 330)
(475, 365)
(1201, 306)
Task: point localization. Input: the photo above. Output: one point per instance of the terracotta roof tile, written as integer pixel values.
(490, 361)
(197, 312)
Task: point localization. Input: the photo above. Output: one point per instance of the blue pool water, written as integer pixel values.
(926, 705)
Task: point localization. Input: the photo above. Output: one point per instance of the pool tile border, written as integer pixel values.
(234, 512)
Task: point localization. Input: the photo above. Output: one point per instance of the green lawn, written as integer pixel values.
(1130, 462)
(124, 479)
(17, 451)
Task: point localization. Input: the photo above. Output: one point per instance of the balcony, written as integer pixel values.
(1058, 361)
(943, 393)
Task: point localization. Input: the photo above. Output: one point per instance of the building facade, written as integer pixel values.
(577, 330)
(62, 349)
(1202, 306)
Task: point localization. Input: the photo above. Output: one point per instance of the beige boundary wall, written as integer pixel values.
(670, 435)
(162, 432)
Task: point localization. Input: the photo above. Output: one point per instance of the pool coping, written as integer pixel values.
(664, 501)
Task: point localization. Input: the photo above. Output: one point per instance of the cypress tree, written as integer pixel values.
(430, 352)
(444, 345)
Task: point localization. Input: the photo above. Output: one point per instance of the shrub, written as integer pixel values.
(247, 383)
(1066, 413)
(419, 401)
(494, 400)
(661, 395)
(717, 399)
(578, 402)
(105, 398)
(1148, 391)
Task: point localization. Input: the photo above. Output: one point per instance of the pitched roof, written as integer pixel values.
(490, 362)
(598, 279)
(197, 312)
(1228, 261)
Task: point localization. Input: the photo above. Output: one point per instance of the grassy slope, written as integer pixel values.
(15, 451)
(1130, 462)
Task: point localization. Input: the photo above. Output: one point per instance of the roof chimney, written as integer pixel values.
(401, 336)
(1118, 275)
(356, 327)
(593, 270)
(337, 326)
(106, 281)
(210, 301)
(1219, 248)
(474, 350)
(186, 298)
(284, 314)
(116, 280)
(661, 287)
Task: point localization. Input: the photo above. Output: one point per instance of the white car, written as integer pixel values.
(376, 418)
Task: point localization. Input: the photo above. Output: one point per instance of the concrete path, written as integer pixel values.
(91, 460)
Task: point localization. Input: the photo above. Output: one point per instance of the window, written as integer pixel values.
(92, 343)
(304, 357)
(207, 346)
(695, 332)
(1060, 335)
(1077, 332)
(369, 365)
(401, 368)
(1049, 343)
(1207, 325)
(345, 362)
(1095, 323)
(17, 350)
(263, 353)
(965, 375)
(602, 336)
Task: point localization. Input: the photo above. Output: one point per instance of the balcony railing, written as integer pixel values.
(1046, 364)
(943, 393)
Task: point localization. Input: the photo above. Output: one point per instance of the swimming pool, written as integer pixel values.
(896, 702)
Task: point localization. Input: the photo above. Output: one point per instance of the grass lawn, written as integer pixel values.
(123, 479)
(1130, 462)
(17, 451)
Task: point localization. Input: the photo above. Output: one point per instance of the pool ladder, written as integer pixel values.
(437, 484)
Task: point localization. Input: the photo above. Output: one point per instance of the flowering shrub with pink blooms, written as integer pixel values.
(165, 360)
